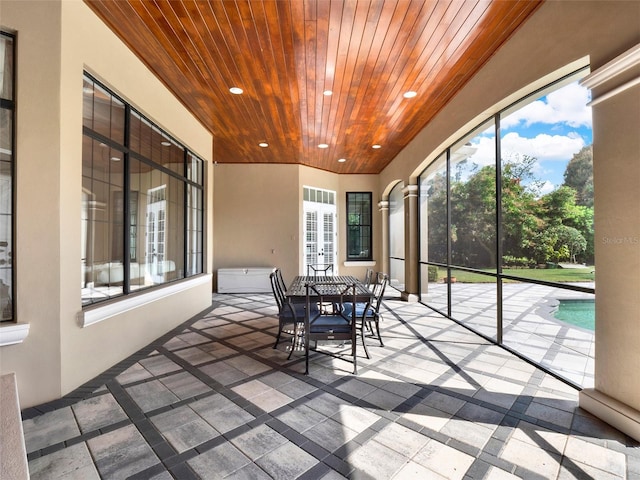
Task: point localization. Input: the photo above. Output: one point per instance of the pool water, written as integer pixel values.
(581, 313)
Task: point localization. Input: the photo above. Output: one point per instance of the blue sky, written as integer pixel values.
(551, 128)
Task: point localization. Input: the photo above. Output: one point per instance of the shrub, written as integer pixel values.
(432, 275)
(517, 262)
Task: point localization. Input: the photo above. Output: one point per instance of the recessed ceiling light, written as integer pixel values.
(327, 92)
(236, 90)
(323, 145)
(263, 144)
(409, 94)
(342, 160)
(165, 144)
(376, 146)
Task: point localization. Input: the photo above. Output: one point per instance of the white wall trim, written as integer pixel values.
(94, 315)
(612, 411)
(410, 191)
(358, 263)
(619, 65)
(12, 333)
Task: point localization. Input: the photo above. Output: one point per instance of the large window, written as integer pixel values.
(142, 201)
(359, 226)
(7, 108)
(506, 230)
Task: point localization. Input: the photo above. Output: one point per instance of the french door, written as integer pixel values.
(319, 229)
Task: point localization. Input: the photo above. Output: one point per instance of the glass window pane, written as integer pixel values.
(6, 133)
(194, 169)
(117, 120)
(6, 67)
(540, 319)
(6, 294)
(433, 212)
(160, 227)
(474, 301)
(6, 176)
(102, 200)
(547, 181)
(396, 236)
(433, 288)
(6, 187)
(101, 111)
(87, 103)
(359, 226)
(473, 200)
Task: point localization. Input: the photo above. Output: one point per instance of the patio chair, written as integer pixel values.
(320, 270)
(330, 326)
(368, 277)
(368, 314)
(280, 279)
(289, 313)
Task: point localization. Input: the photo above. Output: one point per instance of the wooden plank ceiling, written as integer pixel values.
(285, 54)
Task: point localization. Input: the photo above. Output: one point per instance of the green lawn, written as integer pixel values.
(544, 274)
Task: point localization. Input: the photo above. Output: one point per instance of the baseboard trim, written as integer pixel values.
(612, 411)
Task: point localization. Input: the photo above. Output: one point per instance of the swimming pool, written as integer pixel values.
(578, 312)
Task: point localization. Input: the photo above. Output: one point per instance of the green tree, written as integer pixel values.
(436, 205)
(520, 209)
(571, 241)
(579, 176)
(559, 208)
(473, 204)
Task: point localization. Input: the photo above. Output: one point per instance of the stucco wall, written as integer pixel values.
(56, 41)
(616, 154)
(258, 216)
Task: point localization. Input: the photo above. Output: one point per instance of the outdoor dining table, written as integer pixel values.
(297, 291)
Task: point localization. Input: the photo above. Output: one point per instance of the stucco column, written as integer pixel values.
(383, 208)
(410, 243)
(616, 174)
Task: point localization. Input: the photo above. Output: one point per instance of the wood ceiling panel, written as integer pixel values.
(285, 53)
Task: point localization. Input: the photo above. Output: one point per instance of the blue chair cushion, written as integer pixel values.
(299, 310)
(330, 323)
(360, 308)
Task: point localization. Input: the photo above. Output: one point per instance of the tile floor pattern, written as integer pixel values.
(213, 399)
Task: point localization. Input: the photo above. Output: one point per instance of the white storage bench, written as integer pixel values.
(244, 280)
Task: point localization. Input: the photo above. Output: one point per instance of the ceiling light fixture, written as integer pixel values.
(115, 159)
(409, 94)
(236, 90)
(165, 143)
(323, 145)
(263, 144)
(342, 160)
(327, 93)
(376, 146)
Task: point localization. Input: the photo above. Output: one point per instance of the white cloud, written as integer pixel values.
(542, 147)
(568, 106)
(546, 187)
